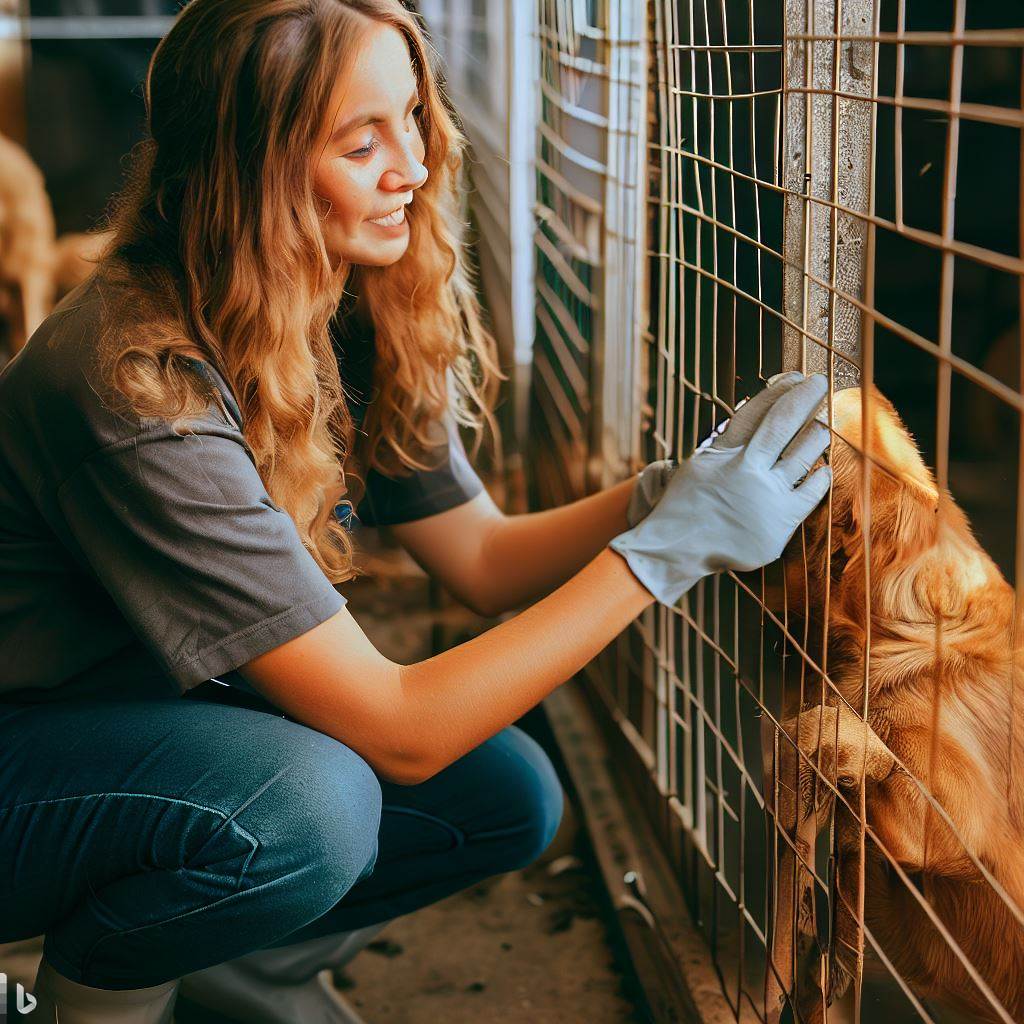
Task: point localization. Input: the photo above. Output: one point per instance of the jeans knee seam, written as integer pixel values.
(226, 818)
(231, 820)
(457, 833)
(145, 796)
(259, 792)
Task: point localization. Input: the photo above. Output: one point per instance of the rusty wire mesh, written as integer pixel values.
(834, 185)
(571, 171)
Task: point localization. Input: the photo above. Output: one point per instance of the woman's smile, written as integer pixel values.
(394, 219)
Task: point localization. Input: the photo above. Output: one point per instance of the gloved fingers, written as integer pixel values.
(649, 488)
(815, 487)
(655, 475)
(794, 376)
(784, 420)
(749, 414)
(803, 452)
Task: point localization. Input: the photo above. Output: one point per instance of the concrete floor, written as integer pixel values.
(526, 948)
(531, 946)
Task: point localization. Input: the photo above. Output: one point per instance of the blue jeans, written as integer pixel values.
(150, 838)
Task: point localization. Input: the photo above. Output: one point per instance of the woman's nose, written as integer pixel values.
(407, 174)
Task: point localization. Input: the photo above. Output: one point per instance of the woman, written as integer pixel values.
(171, 447)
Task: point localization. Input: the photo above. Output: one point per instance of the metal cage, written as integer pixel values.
(823, 184)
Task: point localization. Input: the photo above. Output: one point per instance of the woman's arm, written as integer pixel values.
(410, 721)
(494, 562)
(524, 557)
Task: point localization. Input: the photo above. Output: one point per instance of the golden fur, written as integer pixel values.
(945, 706)
(26, 245)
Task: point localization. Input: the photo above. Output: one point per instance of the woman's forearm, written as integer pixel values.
(526, 556)
(461, 697)
(410, 721)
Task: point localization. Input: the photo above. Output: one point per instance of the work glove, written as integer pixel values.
(735, 505)
(654, 477)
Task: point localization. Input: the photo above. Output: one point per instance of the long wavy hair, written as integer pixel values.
(217, 252)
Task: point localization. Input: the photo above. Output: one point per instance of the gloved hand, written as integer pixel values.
(735, 506)
(654, 477)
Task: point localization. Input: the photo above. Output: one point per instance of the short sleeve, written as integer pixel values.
(204, 566)
(451, 481)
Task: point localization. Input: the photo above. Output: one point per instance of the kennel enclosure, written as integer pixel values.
(726, 189)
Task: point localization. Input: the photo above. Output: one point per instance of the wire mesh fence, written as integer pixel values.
(830, 746)
(589, 244)
(567, 244)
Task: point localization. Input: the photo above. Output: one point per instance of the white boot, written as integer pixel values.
(280, 986)
(62, 1001)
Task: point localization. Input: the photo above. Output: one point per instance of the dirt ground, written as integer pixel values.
(526, 948)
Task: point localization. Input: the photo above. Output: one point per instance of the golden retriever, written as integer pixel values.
(939, 758)
(27, 238)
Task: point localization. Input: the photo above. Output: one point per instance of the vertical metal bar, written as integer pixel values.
(946, 284)
(524, 112)
(1014, 752)
(618, 418)
(815, 155)
(697, 255)
(660, 75)
(867, 355)
(897, 142)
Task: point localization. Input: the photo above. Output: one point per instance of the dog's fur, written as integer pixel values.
(945, 706)
(27, 238)
(35, 268)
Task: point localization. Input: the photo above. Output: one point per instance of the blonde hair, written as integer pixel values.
(217, 252)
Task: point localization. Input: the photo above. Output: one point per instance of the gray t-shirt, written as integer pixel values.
(134, 560)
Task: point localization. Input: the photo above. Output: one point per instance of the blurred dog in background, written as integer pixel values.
(27, 239)
(36, 268)
(939, 757)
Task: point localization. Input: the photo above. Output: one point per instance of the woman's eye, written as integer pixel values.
(364, 150)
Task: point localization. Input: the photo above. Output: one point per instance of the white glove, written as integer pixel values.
(654, 477)
(735, 506)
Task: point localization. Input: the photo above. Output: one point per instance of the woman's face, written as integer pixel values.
(373, 159)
